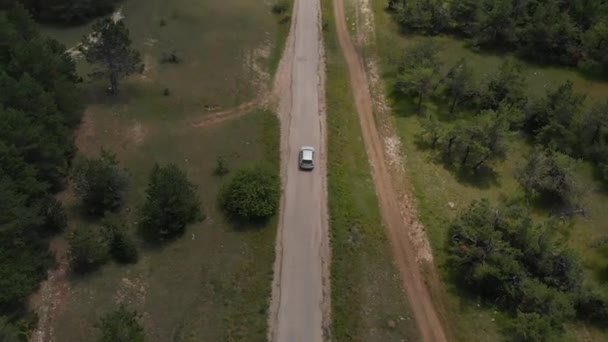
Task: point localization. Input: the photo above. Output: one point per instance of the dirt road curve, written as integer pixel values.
(419, 298)
(300, 300)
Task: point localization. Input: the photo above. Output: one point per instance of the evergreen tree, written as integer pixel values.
(172, 202)
(89, 248)
(109, 46)
(459, 84)
(508, 86)
(101, 183)
(419, 71)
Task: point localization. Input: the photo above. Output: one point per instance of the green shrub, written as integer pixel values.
(532, 327)
(501, 254)
(101, 184)
(124, 249)
(252, 194)
(172, 202)
(121, 325)
(89, 248)
(604, 173)
(220, 167)
(8, 332)
(122, 245)
(55, 218)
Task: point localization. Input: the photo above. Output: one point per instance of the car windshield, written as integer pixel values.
(304, 161)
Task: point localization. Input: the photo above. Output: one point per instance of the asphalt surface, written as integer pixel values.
(300, 268)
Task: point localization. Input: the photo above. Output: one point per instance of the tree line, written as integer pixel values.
(40, 107)
(64, 12)
(499, 253)
(572, 33)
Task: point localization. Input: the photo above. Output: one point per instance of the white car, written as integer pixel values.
(306, 158)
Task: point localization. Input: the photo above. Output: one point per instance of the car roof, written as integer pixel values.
(307, 154)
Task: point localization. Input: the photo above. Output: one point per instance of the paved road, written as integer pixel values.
(302, 236)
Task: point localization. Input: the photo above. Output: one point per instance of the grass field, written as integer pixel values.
(435, 186)
(212, 284)
(366, 290)
(221, 44)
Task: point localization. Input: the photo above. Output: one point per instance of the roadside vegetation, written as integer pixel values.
(252, 194)
(507, 161)
(282, 10)
(367, 300)
(142, 237)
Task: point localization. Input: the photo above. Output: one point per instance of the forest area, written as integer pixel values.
(514, 253)
(569, 33)
(40, 108)
(65, 12)
(41, 105)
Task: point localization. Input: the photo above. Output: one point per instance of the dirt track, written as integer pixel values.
(300, 294)
(398, 228)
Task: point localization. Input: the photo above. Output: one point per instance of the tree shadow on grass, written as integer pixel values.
(546, 202)
(598, 176)
(602, 275)
(403, 106)
(423, 144)
(468, 298)
(97, 94)
(482, 178)
(552, 204)
(243, 225)
(153, 240)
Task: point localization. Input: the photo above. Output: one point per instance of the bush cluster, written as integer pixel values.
(252, 194)
(475, 117)
(502, 255)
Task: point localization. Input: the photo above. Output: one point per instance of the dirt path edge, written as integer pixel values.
(398, 228)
